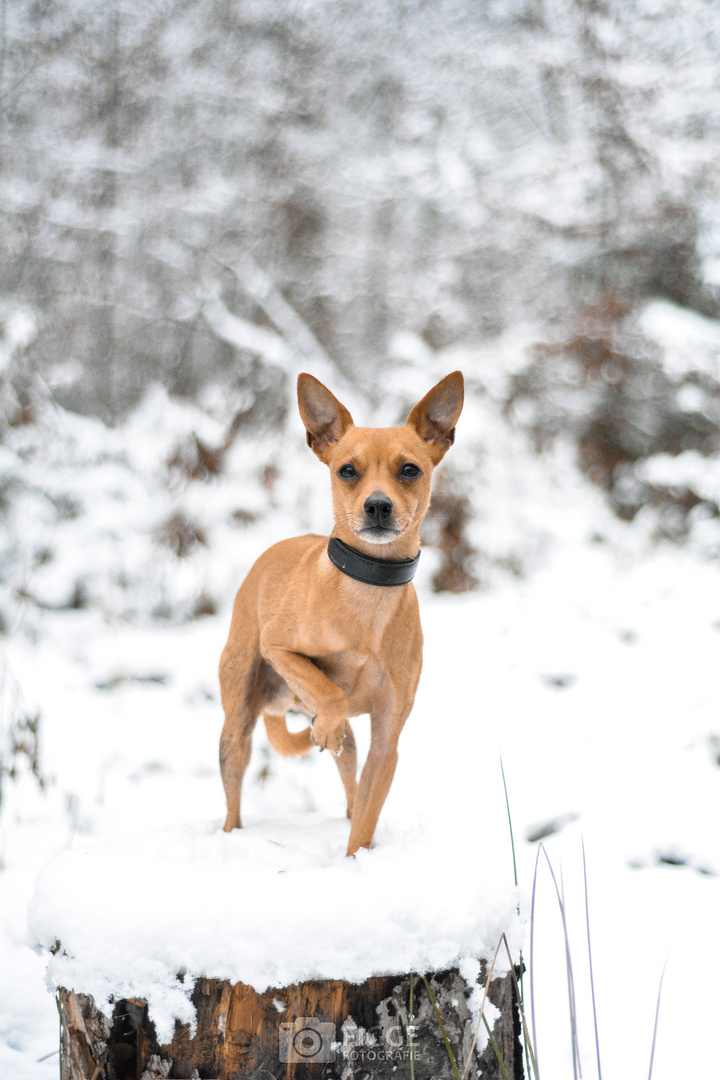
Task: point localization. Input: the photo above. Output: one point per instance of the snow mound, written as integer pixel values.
(274, 904)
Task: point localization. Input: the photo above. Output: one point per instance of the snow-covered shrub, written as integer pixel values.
(614, 386)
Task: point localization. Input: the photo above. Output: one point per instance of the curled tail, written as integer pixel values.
(287, 743)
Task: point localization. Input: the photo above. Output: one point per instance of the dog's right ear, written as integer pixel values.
(326, 420)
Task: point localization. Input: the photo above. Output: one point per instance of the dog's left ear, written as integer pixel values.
(325, 418)
(434, 418)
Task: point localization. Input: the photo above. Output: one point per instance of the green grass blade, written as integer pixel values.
(529, 1052)
(657, 1017)
(532, 953)
(510, 824)
(568, 968)
(448, 1047)
(519, 990)
(590, 962)
(572, 1003)
(496, 1048)
(411, 1027)
(488, 980)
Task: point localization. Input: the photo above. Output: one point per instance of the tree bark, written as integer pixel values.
(331, 1029)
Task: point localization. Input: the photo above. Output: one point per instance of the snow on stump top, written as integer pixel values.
(214, 947)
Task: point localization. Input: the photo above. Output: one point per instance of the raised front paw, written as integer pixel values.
(328, 734)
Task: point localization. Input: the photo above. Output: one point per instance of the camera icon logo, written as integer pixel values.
(307, 1039)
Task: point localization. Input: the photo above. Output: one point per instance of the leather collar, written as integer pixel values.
(369, 570)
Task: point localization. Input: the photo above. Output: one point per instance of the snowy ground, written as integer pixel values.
(594, 676)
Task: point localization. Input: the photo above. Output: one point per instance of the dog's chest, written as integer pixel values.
(356, 672)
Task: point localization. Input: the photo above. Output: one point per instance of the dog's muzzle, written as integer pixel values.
(378, 510)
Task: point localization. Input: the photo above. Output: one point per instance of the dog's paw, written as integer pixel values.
(328, 736)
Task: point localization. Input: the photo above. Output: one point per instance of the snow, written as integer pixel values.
(593, 675)
(18, 331)
(275, 905)
(690, 342)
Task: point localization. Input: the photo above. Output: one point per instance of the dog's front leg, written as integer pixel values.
(321, 696)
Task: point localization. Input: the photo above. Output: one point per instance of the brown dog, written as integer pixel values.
(332, 628)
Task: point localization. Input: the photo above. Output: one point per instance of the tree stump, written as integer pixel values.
(327, 1029)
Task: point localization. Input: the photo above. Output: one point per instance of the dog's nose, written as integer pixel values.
(378, 508)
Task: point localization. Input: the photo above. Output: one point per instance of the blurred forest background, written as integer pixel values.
(223, 190)
(208, 197)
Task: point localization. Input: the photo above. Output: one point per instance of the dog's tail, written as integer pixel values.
(287, 743)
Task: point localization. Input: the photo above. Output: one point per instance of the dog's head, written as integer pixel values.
(381, 476)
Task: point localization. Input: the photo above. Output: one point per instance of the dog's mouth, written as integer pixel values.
(379, 534)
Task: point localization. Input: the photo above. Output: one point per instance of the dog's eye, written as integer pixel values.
(347, 472)
(410, 471)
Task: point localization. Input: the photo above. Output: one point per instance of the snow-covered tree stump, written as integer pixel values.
(330, 1029)
(310, 955)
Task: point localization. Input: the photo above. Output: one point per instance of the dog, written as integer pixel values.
(331, 626)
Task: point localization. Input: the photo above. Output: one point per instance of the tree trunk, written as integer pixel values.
(331, 1030)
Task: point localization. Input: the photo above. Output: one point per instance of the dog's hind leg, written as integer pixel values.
(235, 746)
(347, 767)
(242, 704)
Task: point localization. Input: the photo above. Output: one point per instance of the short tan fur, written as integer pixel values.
(307, 637)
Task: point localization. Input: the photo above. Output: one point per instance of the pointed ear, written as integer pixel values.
(434, 418)
(326, 420)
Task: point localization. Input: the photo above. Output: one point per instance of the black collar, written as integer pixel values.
(369, 570)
